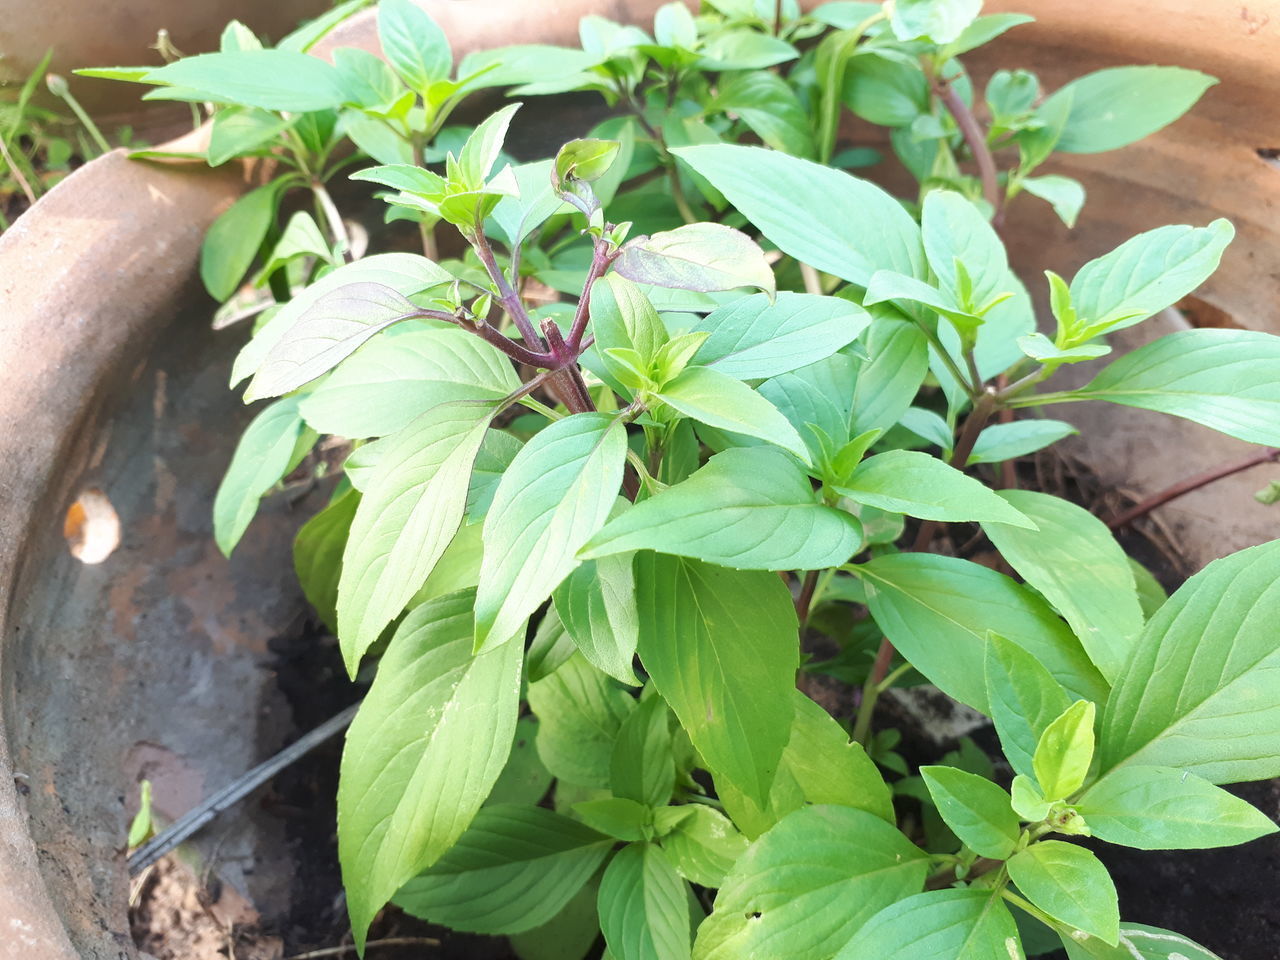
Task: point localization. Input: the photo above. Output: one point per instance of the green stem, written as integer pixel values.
(337, 229)
(1027, 907)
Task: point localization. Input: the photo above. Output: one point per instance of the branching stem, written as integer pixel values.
(1269, 455)
(976, 140)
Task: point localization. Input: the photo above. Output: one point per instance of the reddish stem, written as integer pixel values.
(976, 139)
(1269, 455)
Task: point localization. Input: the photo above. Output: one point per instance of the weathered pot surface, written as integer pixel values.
(156, 659)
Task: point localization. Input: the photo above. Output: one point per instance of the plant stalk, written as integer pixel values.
(507, 295)
(1270, 455)
(337, 229)
(976, 140)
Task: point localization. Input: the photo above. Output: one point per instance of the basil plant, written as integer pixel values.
(687, 418)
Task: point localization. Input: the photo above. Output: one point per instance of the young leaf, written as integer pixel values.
(1007, 441)
(941, 21)
(556, 494)
(1076, 564)
(480, 152)
(803, 888)
(703, 845)
(413, 43)
(622, 819)
(1144, 275)
(390, 381)
(1062, 757)
(1071, 885)
(597, 605)
(301, 238)
(234, 238)
(271, 446)
(514, 869)
(964, 924)
(580, 713)
(410, 511)
(1118, 106)
(975, 809)
(720, 646)
(938, 611)
(1024, 698)
(750, 508)
(644, 909)
(756, 337)
(317, 555)
(719, 401)
(269, 79)
(888, 384)
(1160, 808)
(623, 317)
(429, 741)
(641, 767)
(1223, 379)
(920, 485)
(1198, 693)
(863, 228)
(698, 256)
(954, 229)
(1063, 193)
(819, 395)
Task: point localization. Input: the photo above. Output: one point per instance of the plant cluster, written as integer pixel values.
(693, 394)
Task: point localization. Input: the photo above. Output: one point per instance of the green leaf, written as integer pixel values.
(556, 494)
(301, 238)
(644, 907)
(1161, 808)
(1118, 106)
(429, 741)
(769, 107)
(481, 151)
(983, 30)
(390, 381)
(641, 767)
(756, 337)
(720, 646)
(234, 238)
(569, 935)
(941, 21)
(313, 31)
(524, 780)
(1076, 564)
(1071, 885)
(750, 508)
(938, 611)
(1040, 348)
(964, 924)
(1007, 441)
(888, 286)
(888, 384)
(270, 447)
(819, 395)
(517, 217)
(1139, 942)
(819, 765)
(623, 317)
(514, 869)
(618, 817)
(1064, 752)
(597, 605)
(1024, 697)
(745, 50)
(380, 141)
(698, 256)
(1223, 379)
(954, 229)
(580, 713)
(1145, 274)
(720, 401)
(703, 845)
(1151, 595)
(237, 131)
(142, 826)
(975, 809)
(1199, 692)
(1063, 193)
(862, 229)
(884, 90)
(803, 888)
(413, 43)
(1027, 799)
(317, 555)
(269, 79)
(410, 512)
(327, 333)
(920, 485)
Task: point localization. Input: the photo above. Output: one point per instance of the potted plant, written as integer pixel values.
(631, 510)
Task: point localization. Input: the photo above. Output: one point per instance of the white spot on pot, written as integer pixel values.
(92, 527)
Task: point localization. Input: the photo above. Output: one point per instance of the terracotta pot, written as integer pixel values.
(111, 381)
